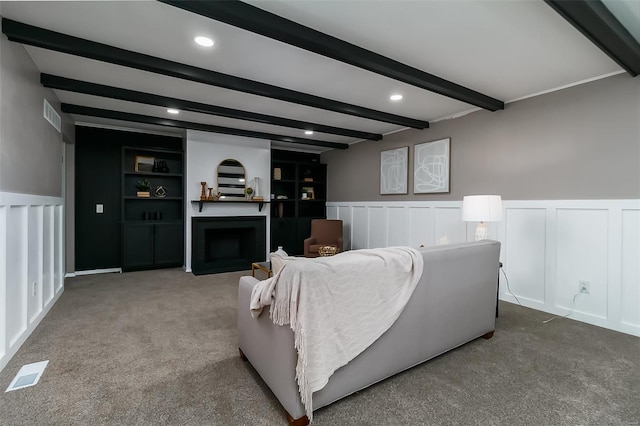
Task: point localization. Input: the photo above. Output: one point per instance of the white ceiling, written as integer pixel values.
(505, 49)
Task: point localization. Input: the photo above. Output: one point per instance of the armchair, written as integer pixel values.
(324, 232)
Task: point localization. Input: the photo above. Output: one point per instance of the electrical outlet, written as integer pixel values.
(583, 287)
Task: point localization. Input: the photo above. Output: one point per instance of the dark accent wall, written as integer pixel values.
(97, 178)
(577, 143)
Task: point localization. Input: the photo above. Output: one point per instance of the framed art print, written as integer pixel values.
(431, 167)
(393, 170)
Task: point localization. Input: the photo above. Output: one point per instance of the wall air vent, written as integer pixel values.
(52, 116)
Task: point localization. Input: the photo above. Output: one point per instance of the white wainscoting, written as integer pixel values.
(31, 265)
(548, 247)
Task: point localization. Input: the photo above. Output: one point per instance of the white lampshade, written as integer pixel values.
(482, 208)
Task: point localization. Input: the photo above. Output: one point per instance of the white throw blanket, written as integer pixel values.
(337, 306)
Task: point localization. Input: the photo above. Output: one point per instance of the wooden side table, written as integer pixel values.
(263, 266)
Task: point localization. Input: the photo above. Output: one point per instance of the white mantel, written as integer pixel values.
(204, 151)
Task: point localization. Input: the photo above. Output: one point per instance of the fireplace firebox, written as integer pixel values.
(225, 244)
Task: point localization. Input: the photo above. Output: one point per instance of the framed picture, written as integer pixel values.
(308, 193)
(431, 162)
(393, 170)
(144, 164)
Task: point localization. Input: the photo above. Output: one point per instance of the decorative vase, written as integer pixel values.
(280, 210)
(280, 252)
(256, 189)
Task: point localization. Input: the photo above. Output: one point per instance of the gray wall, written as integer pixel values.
(578, 143)
(70, 208)
(30, 148)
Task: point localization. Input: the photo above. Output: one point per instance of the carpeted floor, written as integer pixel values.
(159, 348)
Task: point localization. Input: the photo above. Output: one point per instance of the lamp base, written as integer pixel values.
(481, 232)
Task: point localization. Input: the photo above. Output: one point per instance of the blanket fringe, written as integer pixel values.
(279, 312)
(301, 376)
(283, 312)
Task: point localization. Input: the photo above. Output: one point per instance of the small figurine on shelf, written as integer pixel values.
(144, 187)
(203, 194)
(160, 191)
(210, 197)
(248, 191)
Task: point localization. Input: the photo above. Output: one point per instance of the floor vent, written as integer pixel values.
(28, 375)
(52, 116)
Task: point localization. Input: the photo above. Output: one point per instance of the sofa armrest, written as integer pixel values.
(270, 350)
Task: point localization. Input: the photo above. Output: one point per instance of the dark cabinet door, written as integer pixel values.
(283, 233)
(137, 250)
(169, 245)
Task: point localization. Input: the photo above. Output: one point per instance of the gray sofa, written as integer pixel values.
(453, 303)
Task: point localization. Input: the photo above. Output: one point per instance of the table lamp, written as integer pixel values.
(482, 208)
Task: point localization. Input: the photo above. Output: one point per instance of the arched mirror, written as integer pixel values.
(231, 180)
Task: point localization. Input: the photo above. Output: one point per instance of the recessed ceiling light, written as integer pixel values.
(173, 111)
(308, 132)
(395, 97)
(204, 41)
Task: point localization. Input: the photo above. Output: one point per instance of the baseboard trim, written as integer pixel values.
(15, 346)
(94, 271)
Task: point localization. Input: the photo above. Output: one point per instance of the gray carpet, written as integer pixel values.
(159, 348)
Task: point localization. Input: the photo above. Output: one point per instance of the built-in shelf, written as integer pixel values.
(153, 174)
(201, 203)
(149, 243)
(133, 197)
(299, 173)
(152, 221)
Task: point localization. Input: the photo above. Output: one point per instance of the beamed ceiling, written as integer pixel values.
(280, 68)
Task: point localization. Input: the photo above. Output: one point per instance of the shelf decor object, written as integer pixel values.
(160, 191)
(203, 193)
(256, 188)
(144, 187)
(393, 171)
(482, 208)
(160, 166)
(144, 164)
(308, 193)
(431, 167)
(231, 180)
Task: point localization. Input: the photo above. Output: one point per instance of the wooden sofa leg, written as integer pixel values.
(302, 421)
(242, 355)
(488, 335)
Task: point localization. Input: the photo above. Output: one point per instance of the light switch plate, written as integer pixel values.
(99, 208)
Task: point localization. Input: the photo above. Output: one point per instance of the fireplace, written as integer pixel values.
(225, 244)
